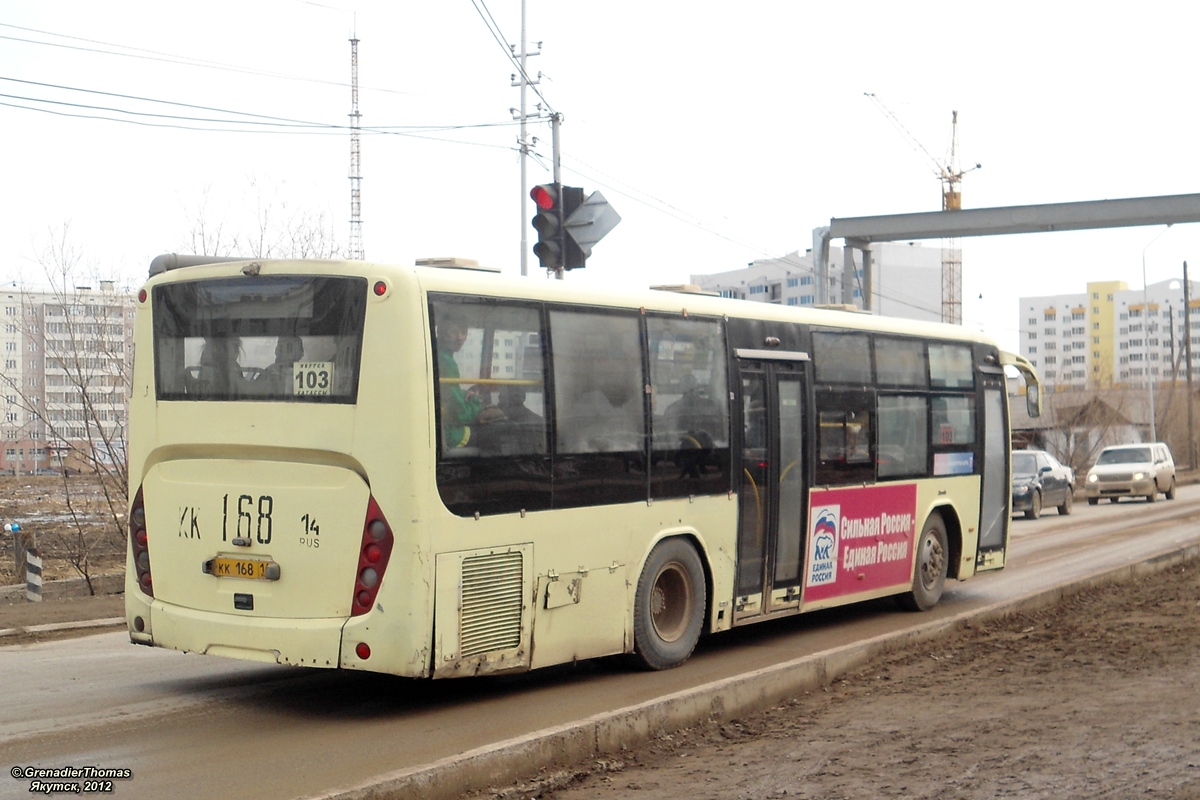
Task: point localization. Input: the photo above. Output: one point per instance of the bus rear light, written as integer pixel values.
(139, 540)
(373, 556)
(362, 650)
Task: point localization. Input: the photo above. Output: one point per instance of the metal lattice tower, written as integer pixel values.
(356, 237)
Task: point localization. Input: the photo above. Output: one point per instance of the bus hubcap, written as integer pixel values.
(931, 562)
(670, 602)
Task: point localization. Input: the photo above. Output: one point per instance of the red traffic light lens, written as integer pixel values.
(544, 196)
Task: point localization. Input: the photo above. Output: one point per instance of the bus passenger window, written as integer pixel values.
(489, 374)
(953, 420)
(598, 383)
(903, 437)
(950, 367)
(842, 357)
(901, 362)
(844, 433)
(689, 406)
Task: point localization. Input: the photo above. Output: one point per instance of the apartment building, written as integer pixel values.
(64, 382)
(1112, 336)
(907, 280)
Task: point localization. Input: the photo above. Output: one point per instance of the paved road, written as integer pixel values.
(195, 727)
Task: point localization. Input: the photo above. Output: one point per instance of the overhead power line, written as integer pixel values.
(247, 122)
(169, 58)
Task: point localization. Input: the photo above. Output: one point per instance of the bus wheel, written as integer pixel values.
(669, 609)
(929, 577)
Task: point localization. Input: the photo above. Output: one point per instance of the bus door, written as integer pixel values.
(773, 482)
(997, 494)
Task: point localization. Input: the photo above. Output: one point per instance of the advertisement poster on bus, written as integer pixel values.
(860, 539)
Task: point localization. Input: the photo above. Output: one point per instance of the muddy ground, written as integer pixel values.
(76, 523)
(1096, 697)
(79, 535)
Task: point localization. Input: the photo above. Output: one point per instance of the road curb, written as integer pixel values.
(51, 627)
(521, 758)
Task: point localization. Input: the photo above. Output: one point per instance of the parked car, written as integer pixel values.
(1132, 470)
(1039, 480)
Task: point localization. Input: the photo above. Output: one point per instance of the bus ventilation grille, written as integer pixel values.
(492, 595)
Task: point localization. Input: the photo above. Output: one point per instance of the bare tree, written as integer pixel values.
(277, 232)
(1083, 423)
(71, 385)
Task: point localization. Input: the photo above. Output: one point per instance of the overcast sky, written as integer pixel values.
(722, 133)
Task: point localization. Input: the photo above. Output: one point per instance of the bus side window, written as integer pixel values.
(845, 432)
(598, 383)
(489, 365)
(689, 407)
(954, 420)
(599, 408)
(903, 436)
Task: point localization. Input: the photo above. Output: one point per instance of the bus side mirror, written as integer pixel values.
(1033, 400)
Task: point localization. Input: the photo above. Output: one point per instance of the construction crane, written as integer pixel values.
(950, 175)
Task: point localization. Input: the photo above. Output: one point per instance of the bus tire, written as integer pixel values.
(929, 573)
(668, 611)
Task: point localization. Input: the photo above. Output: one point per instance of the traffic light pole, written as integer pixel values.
(555, 123)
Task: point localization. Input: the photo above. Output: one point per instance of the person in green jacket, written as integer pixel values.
(462, 409)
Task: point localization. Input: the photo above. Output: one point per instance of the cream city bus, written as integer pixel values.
(439, 472)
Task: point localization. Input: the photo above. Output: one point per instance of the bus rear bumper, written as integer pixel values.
(273, 640)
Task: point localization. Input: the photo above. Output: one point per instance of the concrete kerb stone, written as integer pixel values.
(611, 732)
(51, 627)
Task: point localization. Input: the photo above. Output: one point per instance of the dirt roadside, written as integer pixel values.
(17, 617)
(1095, 697)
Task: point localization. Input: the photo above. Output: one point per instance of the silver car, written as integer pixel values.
(1132, 470)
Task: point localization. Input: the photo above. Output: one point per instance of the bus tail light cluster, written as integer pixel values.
(139, 539)
(373, 558)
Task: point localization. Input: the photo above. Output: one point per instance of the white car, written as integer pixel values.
(1132, 470)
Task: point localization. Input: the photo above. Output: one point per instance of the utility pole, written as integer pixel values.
(1187, 350)
(356, 236)
(524, 144)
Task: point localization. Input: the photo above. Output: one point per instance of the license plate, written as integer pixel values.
(250, 568)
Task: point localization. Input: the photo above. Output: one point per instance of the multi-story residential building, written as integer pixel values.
(1111, 336)
(907, 280)
(64, 383)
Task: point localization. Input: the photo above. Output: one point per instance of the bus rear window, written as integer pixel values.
(284, 338)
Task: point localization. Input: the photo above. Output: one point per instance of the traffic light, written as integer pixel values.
(548, 222)
(555, 248)
(573, 255)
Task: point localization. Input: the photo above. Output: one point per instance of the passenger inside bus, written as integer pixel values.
(462, 409)
(694, 419)
(606, 415)
(219, 373)
(277, 378)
